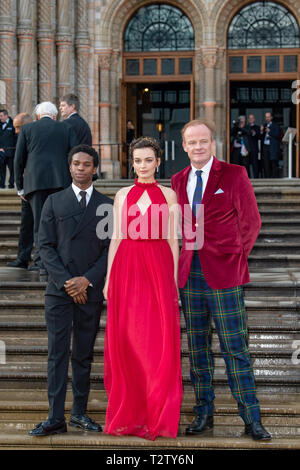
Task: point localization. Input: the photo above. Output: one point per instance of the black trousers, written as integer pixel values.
(26, 232)
(9, 163)
(37, 200)
(254, 163)
(60, 317)
(270, 165)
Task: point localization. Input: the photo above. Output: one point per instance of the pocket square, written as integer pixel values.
(220, 191)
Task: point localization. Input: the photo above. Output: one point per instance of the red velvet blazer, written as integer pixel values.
(231, 224)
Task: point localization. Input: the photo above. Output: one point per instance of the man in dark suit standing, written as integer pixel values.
(253, 138)
(7, 148)
(26, 227)
(69, 107)
(220, 225)
(270, 137)
(73, 245)
(41, 163)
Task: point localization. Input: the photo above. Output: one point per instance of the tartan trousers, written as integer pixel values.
(226, 306)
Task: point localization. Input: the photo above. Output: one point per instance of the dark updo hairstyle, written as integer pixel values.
(145, 142)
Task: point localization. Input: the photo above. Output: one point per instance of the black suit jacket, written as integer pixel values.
(68, 241)
(253, 139)
(42, 151)
(81, 128)
(8, 139)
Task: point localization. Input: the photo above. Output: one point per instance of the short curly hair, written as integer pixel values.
(145, 142)
(84, 149)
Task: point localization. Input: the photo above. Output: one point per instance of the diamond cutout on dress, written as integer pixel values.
(144, 202)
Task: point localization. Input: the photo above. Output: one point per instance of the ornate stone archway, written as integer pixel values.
(225, 11)
(109, 46)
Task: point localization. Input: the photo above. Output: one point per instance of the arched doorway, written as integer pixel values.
(158, 84)
(263, 58)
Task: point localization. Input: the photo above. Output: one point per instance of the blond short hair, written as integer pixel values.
(197, 122)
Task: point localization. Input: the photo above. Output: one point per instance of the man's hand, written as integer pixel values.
(76, 286)
(80, 298)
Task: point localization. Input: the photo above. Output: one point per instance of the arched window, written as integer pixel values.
(263, 25)
(159, 27)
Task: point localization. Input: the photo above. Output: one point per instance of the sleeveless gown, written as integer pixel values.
(142, 368)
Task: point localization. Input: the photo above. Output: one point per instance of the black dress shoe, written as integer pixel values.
(34, 267)
(84, 422)
(47, 429)
(200, 424)
(257, 431)
(17, 264)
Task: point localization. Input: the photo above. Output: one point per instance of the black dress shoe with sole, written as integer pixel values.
(34, 267)
(257, 431)
(200, 424)
(17, 264)
(84, 422)
(47, 429)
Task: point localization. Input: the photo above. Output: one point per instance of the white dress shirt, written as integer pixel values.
(192, 180)
(88, 192)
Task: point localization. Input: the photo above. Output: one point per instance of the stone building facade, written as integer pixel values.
(50, 47)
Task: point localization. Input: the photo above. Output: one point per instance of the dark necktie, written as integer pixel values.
(197, 194)
(82, 201)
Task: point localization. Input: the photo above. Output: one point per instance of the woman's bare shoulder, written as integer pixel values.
(169, 194)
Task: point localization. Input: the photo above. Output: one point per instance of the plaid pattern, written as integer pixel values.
(226, 307)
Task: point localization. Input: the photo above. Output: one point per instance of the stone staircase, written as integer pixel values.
(273, 305)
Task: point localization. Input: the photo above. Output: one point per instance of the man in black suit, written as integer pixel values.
(270, 138)
(240, 146)
(26, 227)
(7, 148)
(253, 138)
(41, 156)
(74, 242)
(69, 107)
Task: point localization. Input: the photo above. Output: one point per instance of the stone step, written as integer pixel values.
(279, 372)
(274, 203)
(273, 260)
(187, 448)
(281, 418)
(31, 340)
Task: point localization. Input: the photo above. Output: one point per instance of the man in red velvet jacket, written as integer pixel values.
(220, 223)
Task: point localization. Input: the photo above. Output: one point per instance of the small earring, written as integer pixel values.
(157, 169)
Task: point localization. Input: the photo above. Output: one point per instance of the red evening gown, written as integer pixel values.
(142, 368)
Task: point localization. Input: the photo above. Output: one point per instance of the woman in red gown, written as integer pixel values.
(142, 369)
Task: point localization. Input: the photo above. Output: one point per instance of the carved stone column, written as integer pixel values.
(45, 51)
(209, 62)
(63, 45)
(25, 34)
(6, 52)
(82, 45)
(105, 62)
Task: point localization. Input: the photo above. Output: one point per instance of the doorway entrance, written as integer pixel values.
(259, 97)
(160, 110)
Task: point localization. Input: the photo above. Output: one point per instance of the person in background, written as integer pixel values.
(69, 107)
(240, 143)
(26, 227)
(253, 138)
(41, 164)
(7, 148)
(270, 137)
